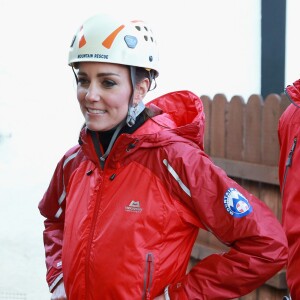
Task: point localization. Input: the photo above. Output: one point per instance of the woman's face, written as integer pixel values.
(103, 92)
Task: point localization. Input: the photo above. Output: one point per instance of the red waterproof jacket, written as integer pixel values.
(289, 176)
(126, 231)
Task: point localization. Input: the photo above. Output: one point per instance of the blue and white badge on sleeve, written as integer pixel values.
(236, 204)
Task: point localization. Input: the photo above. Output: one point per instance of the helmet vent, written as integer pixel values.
(138, 28)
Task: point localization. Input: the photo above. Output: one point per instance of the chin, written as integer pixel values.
(93, 127)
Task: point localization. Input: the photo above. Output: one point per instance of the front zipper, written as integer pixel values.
(148, 276)
(91, 235)
(288, 164)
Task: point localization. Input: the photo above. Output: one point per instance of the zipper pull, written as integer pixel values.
(290, 156)
(149, 261)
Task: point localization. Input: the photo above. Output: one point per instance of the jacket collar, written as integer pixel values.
(293, 93)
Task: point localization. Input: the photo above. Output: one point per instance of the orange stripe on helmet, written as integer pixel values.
(82, 40)
(110, 39)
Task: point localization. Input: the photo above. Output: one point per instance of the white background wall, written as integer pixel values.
(208, 47)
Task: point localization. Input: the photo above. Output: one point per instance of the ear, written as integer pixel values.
(141, 90)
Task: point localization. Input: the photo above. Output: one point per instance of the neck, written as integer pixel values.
(105, 136)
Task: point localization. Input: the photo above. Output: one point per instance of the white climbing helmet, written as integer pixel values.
(103, 38)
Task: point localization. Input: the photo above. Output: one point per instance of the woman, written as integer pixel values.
(125, 205)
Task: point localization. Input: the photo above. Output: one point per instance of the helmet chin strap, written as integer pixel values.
(112, 141)
(133, 111)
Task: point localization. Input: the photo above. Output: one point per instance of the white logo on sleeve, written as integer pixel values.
(236, 204)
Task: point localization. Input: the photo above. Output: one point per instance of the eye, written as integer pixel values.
(82, 80)
(107, 83)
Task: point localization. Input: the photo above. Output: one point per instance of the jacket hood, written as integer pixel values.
(179, 117)
(182, 113)
(293, 92)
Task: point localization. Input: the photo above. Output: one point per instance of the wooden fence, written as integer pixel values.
(241, 137)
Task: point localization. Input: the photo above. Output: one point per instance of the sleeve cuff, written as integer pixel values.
(55, 282)
(166, 293)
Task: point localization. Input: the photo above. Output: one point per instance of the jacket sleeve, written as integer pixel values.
(256, 240)
(52, 207)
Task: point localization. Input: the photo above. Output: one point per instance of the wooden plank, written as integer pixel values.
(270, 154)
(270, 145)
(285, 102)
(252, 152)
(271, 196)
(249, 171)
(207, 103)
(235, 129)
(217, 146)
(214, 143)
(218, 142)
(253, 125)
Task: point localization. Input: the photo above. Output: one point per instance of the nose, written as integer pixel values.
(93, 93)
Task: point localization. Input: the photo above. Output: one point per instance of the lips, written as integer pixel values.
(96, 111)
